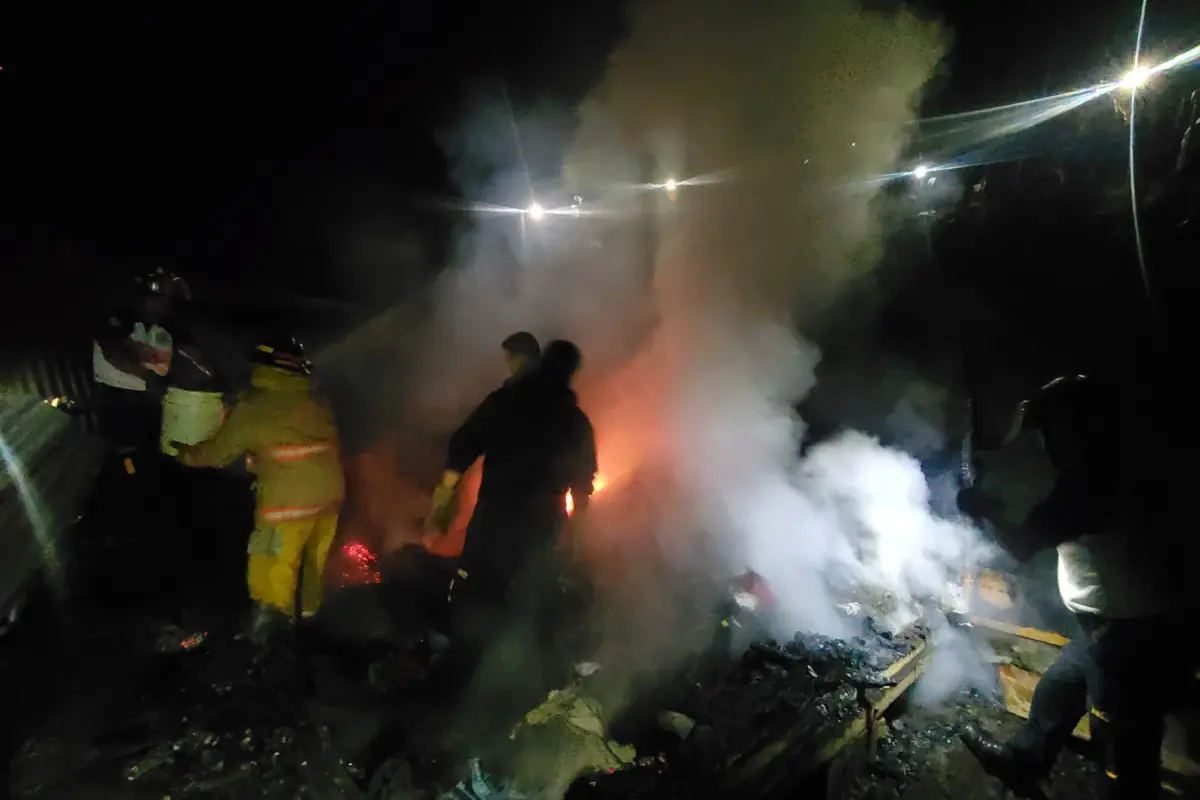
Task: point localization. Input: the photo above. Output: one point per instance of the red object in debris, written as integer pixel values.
(753, 583)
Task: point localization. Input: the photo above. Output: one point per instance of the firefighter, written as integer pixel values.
(521, 353)
(536, 444)
(289, 440)
(1114, 575)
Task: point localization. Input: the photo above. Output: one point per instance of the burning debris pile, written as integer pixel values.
(218, 718)
(766, 720)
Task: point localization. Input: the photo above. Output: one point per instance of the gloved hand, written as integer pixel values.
(442, 509)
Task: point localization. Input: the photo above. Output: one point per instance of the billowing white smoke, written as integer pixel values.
(851, 513)
(774, 108)
(789, 104)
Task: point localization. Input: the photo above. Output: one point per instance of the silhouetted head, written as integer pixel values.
(521, 352)
(159, 290)
(560, 361)
(1076, 417)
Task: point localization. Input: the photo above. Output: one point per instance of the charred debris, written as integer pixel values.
(216, 717)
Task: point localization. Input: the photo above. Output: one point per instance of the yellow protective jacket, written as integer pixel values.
(292, 442)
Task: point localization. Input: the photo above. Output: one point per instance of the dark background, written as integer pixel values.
(250, 147)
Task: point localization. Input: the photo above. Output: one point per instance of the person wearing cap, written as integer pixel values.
(1104, 515)
(132, 353)
(288, 436)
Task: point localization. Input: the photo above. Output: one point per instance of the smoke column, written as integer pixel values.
(772, 114)
(788, 104)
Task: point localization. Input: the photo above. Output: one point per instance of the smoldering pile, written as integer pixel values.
(754, 724)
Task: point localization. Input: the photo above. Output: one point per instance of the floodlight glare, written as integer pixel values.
(1134, 79)
(536, 212)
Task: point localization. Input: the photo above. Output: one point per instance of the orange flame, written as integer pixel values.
(598, 484)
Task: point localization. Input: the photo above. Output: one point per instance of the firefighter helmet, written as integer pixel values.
(165, 283)
(285, 353)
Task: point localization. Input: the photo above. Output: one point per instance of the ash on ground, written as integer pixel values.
(216, 717)
(921, 757)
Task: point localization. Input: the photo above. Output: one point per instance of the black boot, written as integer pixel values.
(1018, 771)
(266, 625)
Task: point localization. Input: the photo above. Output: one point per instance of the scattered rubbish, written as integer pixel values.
(676, 723)
(149, 763)
(174, 639)
(479, 785)
(236, 722)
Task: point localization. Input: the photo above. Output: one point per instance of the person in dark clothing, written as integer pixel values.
(1114, 577)
(521, 353)
(536, 444)
(131, 355)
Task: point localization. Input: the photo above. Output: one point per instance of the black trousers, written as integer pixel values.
(503, 657)
(143, 495)
(130, 421)
(1125, 674)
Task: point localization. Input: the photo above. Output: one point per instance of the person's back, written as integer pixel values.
(288, 435)
(536, 444)
(296, 457)
(538, 440)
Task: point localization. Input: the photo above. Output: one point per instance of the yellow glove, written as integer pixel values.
(443, 507)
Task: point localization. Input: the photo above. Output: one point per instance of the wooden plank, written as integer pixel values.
(904, 671)
(1017, 686)
(1034, 634)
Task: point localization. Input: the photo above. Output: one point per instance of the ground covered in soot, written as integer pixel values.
(181, 707)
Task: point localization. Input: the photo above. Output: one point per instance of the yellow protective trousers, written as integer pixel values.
(278, 550)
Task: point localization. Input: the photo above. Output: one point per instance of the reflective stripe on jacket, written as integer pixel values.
(290, 436)
(289, 513)
(299, 452)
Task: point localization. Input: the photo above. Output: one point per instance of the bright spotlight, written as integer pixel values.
(536, 212)
(671, 185)
(1134, 79)
(920, 171)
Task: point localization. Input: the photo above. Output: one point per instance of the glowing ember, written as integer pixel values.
(193, 641)
(360, 557)
(598, 485)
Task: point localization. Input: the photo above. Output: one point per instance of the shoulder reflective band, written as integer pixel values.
(289, 513)
(299, 452)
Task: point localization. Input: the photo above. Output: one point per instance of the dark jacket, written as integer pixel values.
(536, 443)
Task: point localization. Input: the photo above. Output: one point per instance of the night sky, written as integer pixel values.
(244, 144)
(235, 141)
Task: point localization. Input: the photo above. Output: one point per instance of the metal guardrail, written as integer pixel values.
(63, 373)
(48, 461)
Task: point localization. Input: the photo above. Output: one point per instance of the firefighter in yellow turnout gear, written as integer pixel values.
(289, 439)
